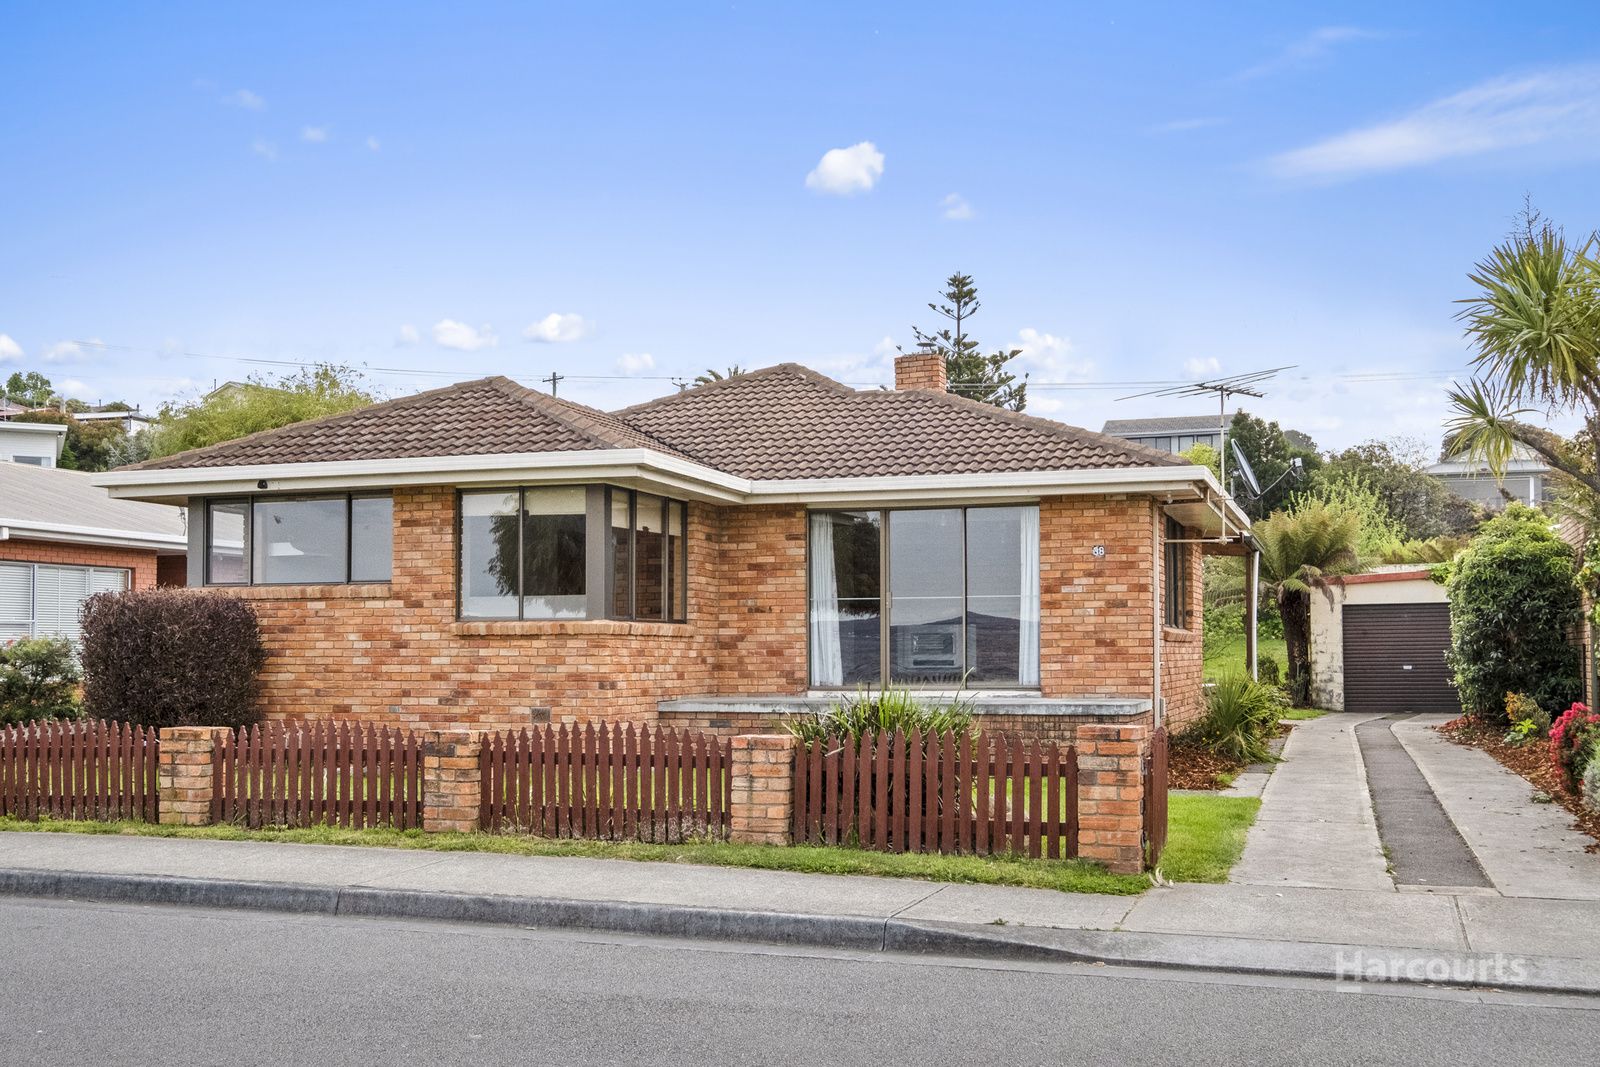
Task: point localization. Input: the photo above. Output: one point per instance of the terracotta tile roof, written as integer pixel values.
(782, 422)
(791, 422)
(489, 416)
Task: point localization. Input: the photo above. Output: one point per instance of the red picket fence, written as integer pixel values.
(79, 770)
(940, 793)
(610, 782)
(1155, 797)
(302, 774)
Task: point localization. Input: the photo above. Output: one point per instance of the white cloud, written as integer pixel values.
(407, 336)
(448, 333)
(264, 148)
(1049, 354)
(847, 171)
(65, 352)
(1185, 125)
(1199, 368)
(956, 207)
(10, 351)
(886, 348)
(74, 388)
(373, 144)
(1311, 49)
(315, 134)
(246, 99)
(635, 363)
(1558, 109)
(556, 328)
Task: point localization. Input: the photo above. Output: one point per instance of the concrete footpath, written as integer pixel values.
(1284, 930)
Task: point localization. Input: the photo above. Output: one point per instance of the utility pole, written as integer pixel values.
(554, 380)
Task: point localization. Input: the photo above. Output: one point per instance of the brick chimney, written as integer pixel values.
(920, 370)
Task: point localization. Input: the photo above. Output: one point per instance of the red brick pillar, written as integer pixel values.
(451, 780)
(761, 789)
(1111, 795)
(184, 775)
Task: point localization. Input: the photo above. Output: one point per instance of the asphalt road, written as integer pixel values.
(113, 984)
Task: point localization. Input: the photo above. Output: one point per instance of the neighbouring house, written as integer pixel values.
(1177, 433)
(63, 539)
(1378, 642)
(132, 421)
(1526, 478)
(485, 555)
(37, 444)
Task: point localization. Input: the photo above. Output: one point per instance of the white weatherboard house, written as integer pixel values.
(37, 444)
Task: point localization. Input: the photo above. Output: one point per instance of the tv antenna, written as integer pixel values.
(1234, 385)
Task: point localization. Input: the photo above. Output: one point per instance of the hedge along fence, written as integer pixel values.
(302, 774)
(610, 783)
(79, 770)
(938, 793)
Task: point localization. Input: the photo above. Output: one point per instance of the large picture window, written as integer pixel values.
(573, 552)
(934, 596)
(300, 540)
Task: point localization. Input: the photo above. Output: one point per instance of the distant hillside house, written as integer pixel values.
(1177, 433)
(1527, 478)
(37, 444)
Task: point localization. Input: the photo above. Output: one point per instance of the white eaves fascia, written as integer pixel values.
(29, 529)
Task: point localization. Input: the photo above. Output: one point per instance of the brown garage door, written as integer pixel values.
(1394, 658)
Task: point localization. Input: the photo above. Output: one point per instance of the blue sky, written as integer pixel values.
(628, 194)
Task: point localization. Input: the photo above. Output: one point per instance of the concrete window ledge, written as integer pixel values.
(983, 703)
(576, 627)
(356, 591)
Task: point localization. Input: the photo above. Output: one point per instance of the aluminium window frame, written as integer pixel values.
(885, 600)
(251, 499)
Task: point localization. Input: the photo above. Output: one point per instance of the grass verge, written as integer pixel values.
(1302, 714)
(1200, 848)
(1226, 655)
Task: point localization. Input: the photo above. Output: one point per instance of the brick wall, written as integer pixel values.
(395, 651)
(141, 562)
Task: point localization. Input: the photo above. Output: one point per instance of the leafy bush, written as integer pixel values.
(1268, 670)
(1520, 707)
(1572, 742)
(1591, 785)
(38, 680)
(886, 711)
(1241, 717)
(171, 657)
(1513, 601)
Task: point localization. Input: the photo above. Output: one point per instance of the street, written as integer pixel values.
(114, 984)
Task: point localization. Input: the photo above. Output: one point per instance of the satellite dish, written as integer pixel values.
(1242, 467)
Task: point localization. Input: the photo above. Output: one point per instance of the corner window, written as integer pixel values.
(572, 552)
(937, 596)
(1175, 577)
(302, 540)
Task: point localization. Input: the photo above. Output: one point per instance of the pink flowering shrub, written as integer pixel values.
(1572, 742)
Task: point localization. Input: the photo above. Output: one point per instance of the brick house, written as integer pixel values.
(62, 539)
(485, 556)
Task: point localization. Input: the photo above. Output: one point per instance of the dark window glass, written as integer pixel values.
(677, 563)
(650, 557)
(490, 555)
(371, 538)
(553, 559)
(926, 609)
(1175, 572)
(225, 529)
(621, 520)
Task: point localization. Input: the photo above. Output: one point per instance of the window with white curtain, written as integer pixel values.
(926, 596)
(43, 600)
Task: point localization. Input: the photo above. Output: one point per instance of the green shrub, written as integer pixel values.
(1268, 670)
(1526, 718)
(39, 679)
(171, 657)
(1513, 600)
(885, 711)
(1591, 784)
(1241, 718)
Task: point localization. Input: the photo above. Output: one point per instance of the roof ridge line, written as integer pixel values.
(799, 370)
(580, 418)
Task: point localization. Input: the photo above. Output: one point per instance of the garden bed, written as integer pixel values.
(1531, 762)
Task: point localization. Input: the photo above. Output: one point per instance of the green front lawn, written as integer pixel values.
(1201, 846)
(1226, 655)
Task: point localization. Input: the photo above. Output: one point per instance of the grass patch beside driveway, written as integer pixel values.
(1201, 847)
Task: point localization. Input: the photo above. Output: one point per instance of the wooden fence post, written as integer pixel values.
(1111, 794)
(761, 789)
(184, 775)
(452, 781)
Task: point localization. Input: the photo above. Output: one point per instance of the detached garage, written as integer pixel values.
(1378, 642)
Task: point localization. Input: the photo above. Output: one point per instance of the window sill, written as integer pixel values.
(575, 627)
(1173, 633)
(341, 591)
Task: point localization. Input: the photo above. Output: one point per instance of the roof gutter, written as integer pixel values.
(29, 530)
(646, 468)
